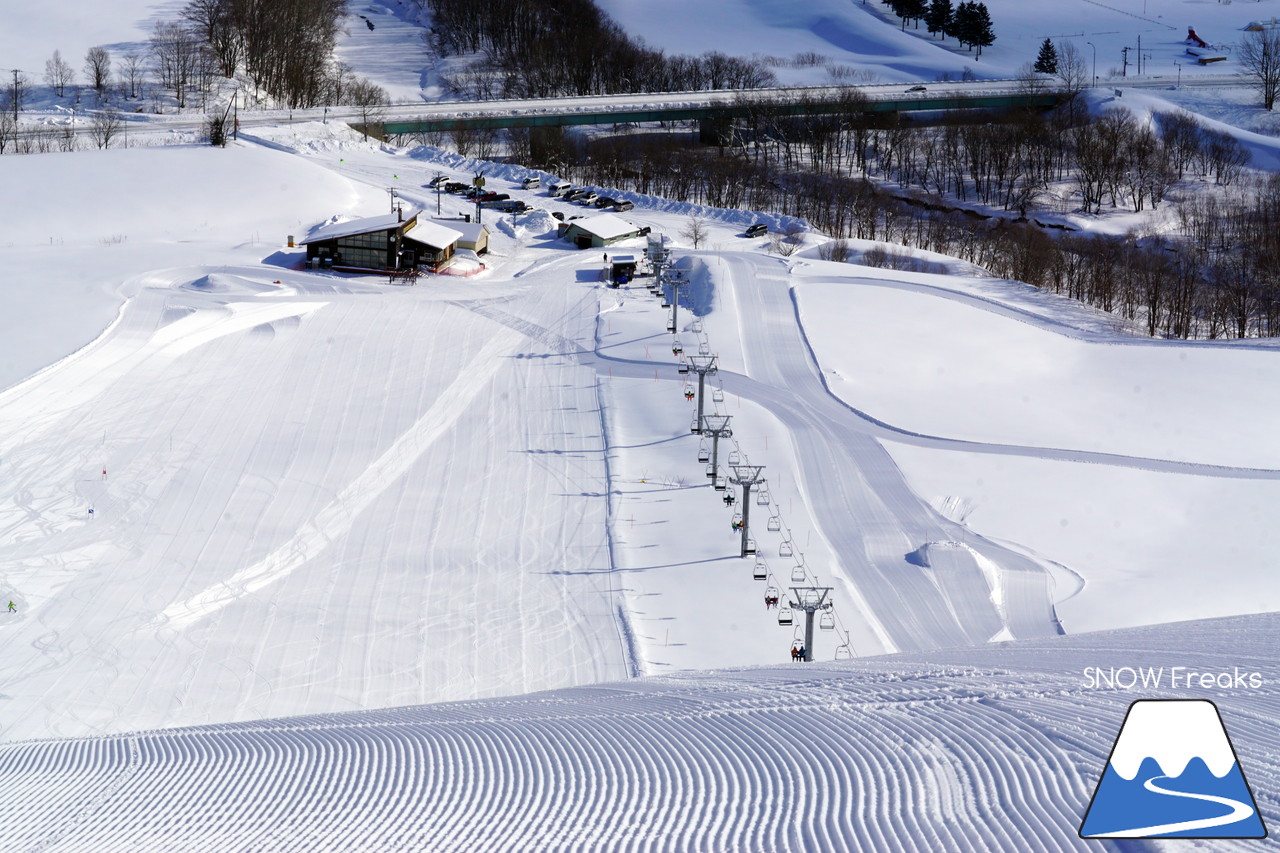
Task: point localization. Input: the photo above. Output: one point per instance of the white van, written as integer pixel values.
(530, 183)
(559, 189)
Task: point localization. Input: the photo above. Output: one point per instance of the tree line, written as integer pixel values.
(1216, 274)
(547, 48)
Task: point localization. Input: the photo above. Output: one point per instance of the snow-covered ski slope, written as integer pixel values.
(976, 749)
(323, 493)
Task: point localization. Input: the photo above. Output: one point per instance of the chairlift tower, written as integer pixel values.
(673, 325)
(810, 599)
(702, 365)
(716, 426)
(746, 476)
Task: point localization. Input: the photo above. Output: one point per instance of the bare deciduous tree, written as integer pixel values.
(97, 69)
(369, 98)
(695, 231)
(177, 55)
(1260, 57)
(58, 73)
(16, 85)
(131, 72)
(105, 126)
(8, 130)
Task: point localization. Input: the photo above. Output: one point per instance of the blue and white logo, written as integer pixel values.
(1172, 774)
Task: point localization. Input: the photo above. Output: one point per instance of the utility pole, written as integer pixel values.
(439, 190)
(702, 365)
(1124, 68)
(810, 599)
(1095, 61)
(17, 94)
(746, 476)
(675, 305)
(716, 426)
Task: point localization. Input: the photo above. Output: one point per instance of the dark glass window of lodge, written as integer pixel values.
(364, 250)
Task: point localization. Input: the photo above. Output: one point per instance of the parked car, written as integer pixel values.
(757, 230)
(530, 183)
(623, 205)
(557, 215)
(454, 187)
(558, 190)
(589, 198)
(917, 89)
(604, 201)
(438, 180)
(510, 205)
(574, 195)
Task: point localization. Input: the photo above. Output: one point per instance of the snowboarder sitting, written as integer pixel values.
(795, 654)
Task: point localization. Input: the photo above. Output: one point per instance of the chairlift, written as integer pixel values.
(729, 498)
(761, 572)
(676, 347)
(711, 471)
(693, 426)
(697, 325)
(721, 484)
(844, 651)
(688, 392)
(770, 591)
(671, 327)
(717, 395)
(704, 348)
(666, 303)
(762, 497)
(775, 523)
(736, 524)
(797, 573)
(751, 546)
(683, 369)
(785, 550)
(827, 621)
(704, 453)
(784, 615)
(735, 458)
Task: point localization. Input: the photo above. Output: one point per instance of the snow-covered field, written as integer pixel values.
(305, 561)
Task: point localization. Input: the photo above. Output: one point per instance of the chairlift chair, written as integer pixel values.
(717, 396)
(671, 327)
(797, 573)
(676, 347)
(827, 621)
(770, 591)
(775, 523)
(683, 369)
(844, 653)
(751, 546)
(784, 615)
(704, 454)
(711, 471)
(688, 392)
(721, 485)
(666, 303)
(693, 425)
(704, 348)
(735, 458)
(785, 550)
(761, 572)
(762, 497)
(697, 325)
(729, 497)
(736, 523)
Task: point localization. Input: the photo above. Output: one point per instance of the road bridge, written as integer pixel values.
(714, 109)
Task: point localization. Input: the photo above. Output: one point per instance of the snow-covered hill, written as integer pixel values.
(974, 749)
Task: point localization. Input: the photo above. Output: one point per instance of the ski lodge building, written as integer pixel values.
(392, 241)
(595, 232)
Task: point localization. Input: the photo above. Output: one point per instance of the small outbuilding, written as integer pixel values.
(475, 236)
(392, 241)
(599, 231)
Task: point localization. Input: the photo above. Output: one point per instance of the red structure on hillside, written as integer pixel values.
(1192, 38)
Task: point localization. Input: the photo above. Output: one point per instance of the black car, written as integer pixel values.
(757, 230)
(604, 201)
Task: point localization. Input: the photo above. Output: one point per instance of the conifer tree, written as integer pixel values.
(962, 23)
(982, 34)
(1047, 61)
(938, 17)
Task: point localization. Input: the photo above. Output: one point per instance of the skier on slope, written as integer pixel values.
(12, 608)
